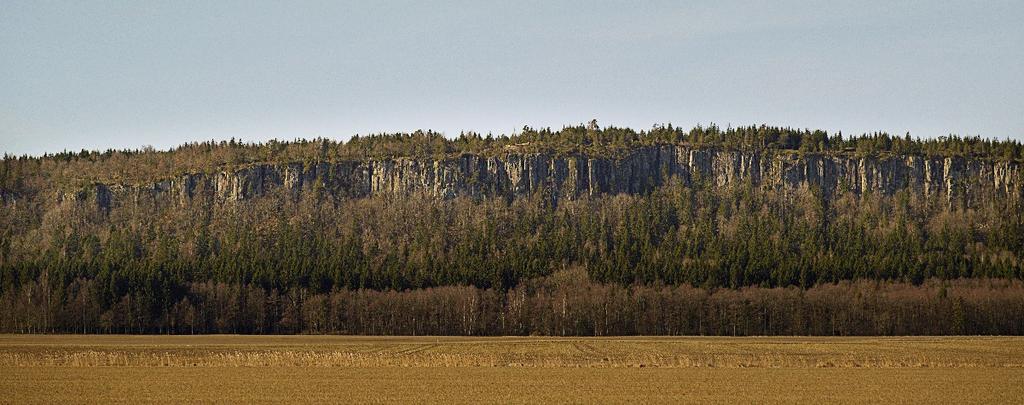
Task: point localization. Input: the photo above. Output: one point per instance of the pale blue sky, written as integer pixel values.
(99, 74)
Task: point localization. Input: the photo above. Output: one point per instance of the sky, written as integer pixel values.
(113, 74)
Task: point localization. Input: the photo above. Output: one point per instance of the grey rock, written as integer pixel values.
(573, 176)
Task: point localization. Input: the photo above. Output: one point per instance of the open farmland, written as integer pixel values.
(52, 368)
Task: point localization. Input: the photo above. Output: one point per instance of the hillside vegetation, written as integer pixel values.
(753, 230)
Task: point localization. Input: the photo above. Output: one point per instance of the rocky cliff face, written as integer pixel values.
(577, 175)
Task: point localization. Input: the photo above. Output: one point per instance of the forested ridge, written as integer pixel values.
(193, 240)
(25, 173)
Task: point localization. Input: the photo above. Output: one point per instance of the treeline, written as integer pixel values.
(680, 260)
(702, 236)
(564, 304)
(23, 174)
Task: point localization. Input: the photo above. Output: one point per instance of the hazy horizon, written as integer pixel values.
(126, 75)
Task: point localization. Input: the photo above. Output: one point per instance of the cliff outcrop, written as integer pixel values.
(572, 176)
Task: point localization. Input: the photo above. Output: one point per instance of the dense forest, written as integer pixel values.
(94, 241)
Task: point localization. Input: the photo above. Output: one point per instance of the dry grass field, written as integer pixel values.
(76, 369)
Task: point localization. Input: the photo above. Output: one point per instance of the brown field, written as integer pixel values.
(76, 369)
